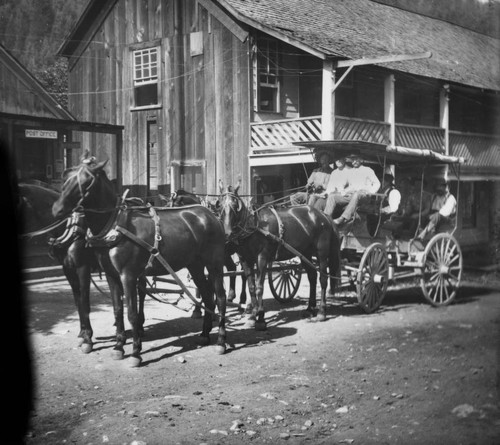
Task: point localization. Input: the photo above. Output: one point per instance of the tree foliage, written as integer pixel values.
(33, 31)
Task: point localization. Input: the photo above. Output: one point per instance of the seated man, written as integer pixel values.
(317, 182)
(443, 209)
(360, 180)
(336, 183)
(417, 205)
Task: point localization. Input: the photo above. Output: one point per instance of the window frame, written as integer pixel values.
(142, 81)
(267, 49)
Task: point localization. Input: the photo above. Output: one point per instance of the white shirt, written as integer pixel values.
(362, 178)
(338, 180)
(446, 205)
(393, 201)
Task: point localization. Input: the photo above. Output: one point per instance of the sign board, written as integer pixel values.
(40, 134)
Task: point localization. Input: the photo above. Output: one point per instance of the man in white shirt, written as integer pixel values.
(317, 182)
(443, 209)
(359, 181)
(336, 183)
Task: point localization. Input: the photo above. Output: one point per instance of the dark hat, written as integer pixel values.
(320, 154)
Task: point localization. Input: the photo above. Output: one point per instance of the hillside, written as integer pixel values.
(33, 30)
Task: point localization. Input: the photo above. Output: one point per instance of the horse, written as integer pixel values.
(67, 245)
(138, 241)
(182, 197)
(268, 234)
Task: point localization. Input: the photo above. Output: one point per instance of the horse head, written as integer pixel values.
(231, 210)
(84, 186)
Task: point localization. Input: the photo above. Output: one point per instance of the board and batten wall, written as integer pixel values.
(204, 114)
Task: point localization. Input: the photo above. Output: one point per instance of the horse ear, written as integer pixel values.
(101, 165)
(221, 186)
(238, 186)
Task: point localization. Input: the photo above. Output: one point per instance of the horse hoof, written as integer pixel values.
(203, 341)
(250, 323)
(260, 326)
(135, 362)
(220, 349)
(321, 317)
(80, 341)
(117, 354)
(86, 348)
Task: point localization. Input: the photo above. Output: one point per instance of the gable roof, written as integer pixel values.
(355, 29)
(32, 85)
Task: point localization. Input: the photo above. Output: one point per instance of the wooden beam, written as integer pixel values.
(383, 59)
(328, 101)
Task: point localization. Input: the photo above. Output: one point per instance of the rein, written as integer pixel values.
(44, 230)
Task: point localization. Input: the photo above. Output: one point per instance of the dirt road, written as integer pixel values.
(408, 374)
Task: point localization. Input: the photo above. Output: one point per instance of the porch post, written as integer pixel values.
(328, 101)
(444, 120)
(444, 115)
(390, 107)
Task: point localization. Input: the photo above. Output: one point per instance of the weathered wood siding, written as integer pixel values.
(17, 98)
(204, 116)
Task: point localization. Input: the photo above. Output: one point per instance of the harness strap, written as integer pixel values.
(154, 252)
(293, 250)
(45, 230)
(157, 238)
(281, 228)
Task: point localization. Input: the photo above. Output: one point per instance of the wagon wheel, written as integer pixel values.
(372, 277)
(284, 280)
(442, 269)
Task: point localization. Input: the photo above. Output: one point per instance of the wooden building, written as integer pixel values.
(211, 90)
(36, 129)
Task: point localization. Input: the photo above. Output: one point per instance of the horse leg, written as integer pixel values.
(243, 294)
(79, 280)
(323, 280)
(116, 291)
(312, 277)
(197, 308)
(141, 291)
(260, 323)
(129, 283)
(231, 267)
(248, 273)
(216, 278)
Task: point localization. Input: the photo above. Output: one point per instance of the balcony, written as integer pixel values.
(279, 135)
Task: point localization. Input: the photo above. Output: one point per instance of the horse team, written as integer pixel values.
(131, 240)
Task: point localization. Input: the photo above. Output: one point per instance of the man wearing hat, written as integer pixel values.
(361, 180)
(443, 209)
(336, 183)
(318, 180)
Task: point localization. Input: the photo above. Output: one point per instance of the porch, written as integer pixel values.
(277, 137)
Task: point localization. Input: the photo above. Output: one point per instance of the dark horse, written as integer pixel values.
(142, 240)
(268, 234)
(67, 246)
(183, 198)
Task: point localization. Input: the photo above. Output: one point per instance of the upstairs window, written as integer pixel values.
(146, 71)
(266, 76)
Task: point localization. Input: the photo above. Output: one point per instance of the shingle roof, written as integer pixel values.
(355, 29)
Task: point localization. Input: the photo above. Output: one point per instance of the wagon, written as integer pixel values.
(373, 256)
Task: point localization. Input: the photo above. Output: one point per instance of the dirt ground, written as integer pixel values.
(408, 374)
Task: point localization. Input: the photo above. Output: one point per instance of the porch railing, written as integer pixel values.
(481, 150)
(279, 134)
(349, 128)
(282, 133)
(419, 136)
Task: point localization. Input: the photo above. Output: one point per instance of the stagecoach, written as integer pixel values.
(376, 253)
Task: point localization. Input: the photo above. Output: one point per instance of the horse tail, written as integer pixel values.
(334, 261)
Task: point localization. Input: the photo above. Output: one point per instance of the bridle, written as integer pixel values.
(242, 221)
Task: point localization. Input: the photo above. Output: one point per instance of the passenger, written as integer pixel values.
(335, 184)
(360, 181)
(417, 206)
(443, 209)
(317, 182)
(390, 205)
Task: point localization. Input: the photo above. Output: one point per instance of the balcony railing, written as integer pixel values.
(281, 134)
(477, 149)
(419, 136)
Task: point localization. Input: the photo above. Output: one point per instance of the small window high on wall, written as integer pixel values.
(146, 77)
(266, 76)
